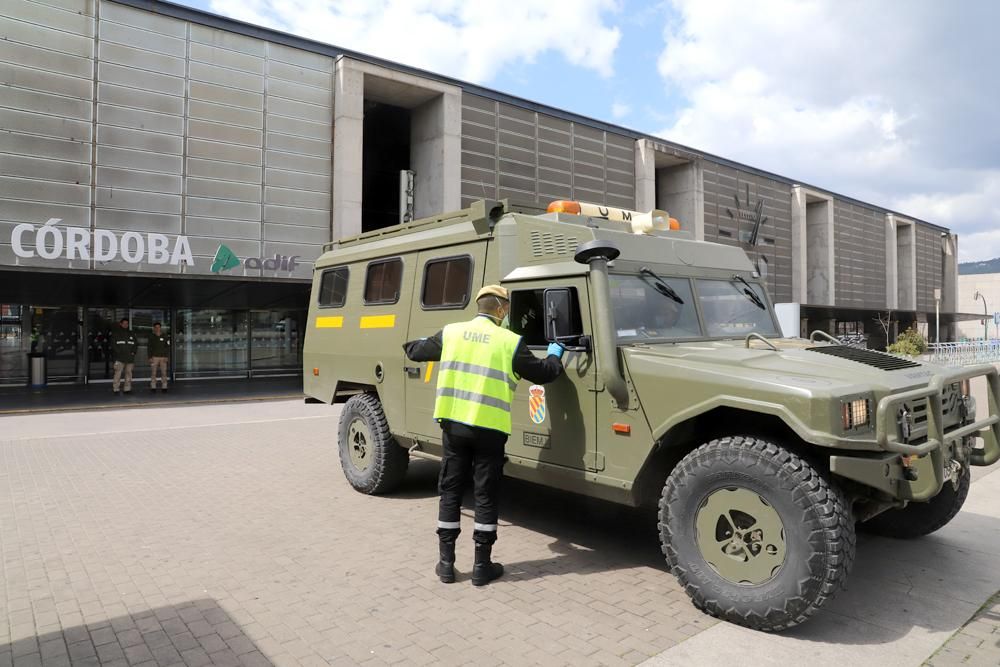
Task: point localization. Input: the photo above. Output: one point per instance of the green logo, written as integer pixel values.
(225, 259)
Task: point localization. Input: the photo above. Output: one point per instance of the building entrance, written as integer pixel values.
(102, 321)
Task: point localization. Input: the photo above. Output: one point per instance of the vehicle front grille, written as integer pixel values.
(886, 362)
(546, 243)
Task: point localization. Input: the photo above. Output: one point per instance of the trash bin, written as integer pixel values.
(38, 372)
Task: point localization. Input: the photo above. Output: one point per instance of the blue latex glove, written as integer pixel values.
(556, 349)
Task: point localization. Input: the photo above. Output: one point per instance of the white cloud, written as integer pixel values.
(619, 110)
(469, 40)
(850, 96)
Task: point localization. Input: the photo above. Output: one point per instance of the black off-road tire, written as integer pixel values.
(386, 461)
(818, 530)
(919, 519)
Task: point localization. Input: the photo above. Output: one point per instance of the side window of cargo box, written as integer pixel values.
(382, 281)
(447, 283)
(333, 287)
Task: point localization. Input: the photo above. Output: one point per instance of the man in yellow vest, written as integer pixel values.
(481, 363)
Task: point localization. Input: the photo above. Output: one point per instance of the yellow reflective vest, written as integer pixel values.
(476, 379)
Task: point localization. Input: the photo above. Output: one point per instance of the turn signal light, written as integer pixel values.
(316, 372)
(675, 225)
(624, 429)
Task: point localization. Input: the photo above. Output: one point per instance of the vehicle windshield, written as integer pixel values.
(642, 311)
(730, 312)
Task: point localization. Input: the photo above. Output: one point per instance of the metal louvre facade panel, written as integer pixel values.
(724, 187)
(125, 120)
(46, 114)
(528, 156)
(859, 257)
(930, 270)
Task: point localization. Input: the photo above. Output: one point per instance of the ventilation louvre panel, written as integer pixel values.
(545, 244)
(886, 362)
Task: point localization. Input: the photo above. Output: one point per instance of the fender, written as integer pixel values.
(775, 409)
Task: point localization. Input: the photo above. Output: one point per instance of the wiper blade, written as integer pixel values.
(660, 286)
(748, 290)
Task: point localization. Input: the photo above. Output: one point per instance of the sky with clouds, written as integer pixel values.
(892, 102)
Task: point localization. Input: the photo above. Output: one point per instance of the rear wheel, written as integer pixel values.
(919, 519)
(756, 535)
(372, 460)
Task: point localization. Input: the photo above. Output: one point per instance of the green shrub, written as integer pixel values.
(911, 343)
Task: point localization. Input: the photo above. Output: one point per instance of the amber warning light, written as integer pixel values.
(641, 223)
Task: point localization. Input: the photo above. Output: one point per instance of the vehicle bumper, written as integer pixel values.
(917, 472)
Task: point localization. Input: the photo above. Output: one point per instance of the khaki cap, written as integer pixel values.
(493, 290)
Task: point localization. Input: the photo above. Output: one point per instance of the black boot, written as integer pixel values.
(484, 570)
(445, 569)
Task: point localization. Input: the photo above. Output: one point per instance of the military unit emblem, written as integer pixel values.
(536, 403)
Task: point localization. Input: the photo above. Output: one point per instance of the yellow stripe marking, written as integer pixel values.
(430, 372)
(378, 321)
(330, 322)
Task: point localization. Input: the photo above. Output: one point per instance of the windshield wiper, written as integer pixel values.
(660, 286)
(749, 292)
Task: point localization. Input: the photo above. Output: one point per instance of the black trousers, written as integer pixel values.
(470, 454)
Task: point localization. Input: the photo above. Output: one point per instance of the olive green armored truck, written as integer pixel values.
(760, 452)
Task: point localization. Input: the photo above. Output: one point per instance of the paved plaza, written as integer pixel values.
(227, 535)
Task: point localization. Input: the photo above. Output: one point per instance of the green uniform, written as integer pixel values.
(476, 380)
(123, 344)
(158, 346)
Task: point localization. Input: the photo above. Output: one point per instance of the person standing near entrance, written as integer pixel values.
(123, 345)
(158, 348)
(481, 363)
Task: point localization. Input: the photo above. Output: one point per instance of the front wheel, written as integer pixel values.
(372, 460)
(755, 535)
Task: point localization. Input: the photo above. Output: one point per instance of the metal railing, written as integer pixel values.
(966, 353)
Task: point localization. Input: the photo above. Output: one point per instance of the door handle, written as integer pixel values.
(412, 371)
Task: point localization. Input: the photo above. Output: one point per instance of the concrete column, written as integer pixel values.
(436, 155)
(800, 292)
(891, 264)
(949, 286)
(812, 232)
(348, 147)
(906, 263)
(645, 175)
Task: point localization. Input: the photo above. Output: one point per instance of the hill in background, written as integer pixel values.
(988, 266)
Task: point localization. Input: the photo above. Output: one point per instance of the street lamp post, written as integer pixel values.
(986, 315)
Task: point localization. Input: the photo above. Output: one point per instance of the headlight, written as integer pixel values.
(855, 413)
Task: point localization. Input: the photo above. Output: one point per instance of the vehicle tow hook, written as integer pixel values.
(909, 473)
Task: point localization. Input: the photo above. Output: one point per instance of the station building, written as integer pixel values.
(166, 164)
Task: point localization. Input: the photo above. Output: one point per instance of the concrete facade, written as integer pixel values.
(988, 284)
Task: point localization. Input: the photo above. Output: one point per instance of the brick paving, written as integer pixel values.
(976, 644)
(241, 544)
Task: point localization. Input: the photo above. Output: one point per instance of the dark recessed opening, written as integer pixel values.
(386, 151)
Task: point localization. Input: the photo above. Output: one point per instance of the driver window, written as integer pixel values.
(527, 315)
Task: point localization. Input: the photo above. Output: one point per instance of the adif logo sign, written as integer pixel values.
(226, 259)
(52, 242)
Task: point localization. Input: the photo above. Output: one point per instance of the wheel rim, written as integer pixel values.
(740, 535)
(359, 444)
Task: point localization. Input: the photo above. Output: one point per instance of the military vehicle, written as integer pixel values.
(761, 452)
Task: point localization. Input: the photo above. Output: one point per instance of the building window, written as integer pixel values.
(447, 283)
(333, 288)
(383, 281)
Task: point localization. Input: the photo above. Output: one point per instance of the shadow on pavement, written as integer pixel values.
(895, 586)
(199, 632)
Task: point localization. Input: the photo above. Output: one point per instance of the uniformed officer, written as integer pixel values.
(158, 349)
(123, 346)
(481, 363)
